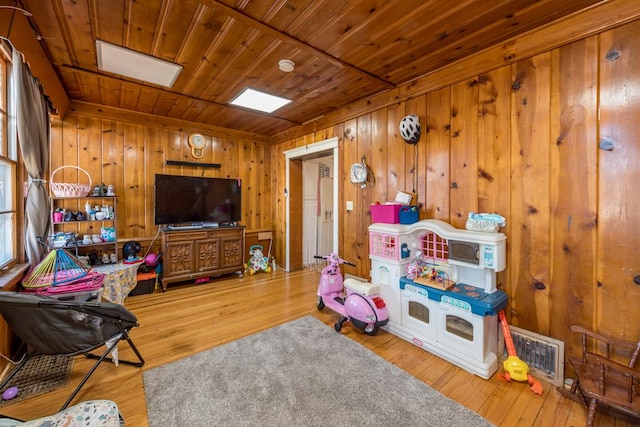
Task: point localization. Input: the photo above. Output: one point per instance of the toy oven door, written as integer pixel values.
(418, 312)
(462, 331)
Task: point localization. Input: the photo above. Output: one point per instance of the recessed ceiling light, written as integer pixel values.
(125, 62)
(261, 101)
(286, 65)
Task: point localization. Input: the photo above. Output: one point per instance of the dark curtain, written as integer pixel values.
(33, 137)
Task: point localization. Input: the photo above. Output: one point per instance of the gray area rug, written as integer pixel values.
(300, 373)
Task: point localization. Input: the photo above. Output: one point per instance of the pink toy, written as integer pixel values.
(419, 267)
(151, 260)
(413, 270)
(363, 306)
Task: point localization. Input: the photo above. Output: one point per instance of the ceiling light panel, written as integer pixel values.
(261, 101)
(125, 62)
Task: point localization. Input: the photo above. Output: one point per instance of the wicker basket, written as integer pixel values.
(482, 225)
(64, 189)
(485, 222)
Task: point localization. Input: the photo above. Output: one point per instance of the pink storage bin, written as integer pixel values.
(388, 214)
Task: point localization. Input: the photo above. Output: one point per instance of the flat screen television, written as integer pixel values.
(197, 200)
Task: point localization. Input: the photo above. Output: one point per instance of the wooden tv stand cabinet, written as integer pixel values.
(194, 253)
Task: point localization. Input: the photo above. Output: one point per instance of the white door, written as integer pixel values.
(317, 209)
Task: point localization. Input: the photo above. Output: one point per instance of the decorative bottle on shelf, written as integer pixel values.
(87, 209)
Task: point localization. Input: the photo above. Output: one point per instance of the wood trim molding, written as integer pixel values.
(9, 279)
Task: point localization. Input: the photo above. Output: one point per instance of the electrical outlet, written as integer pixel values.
(349, 205)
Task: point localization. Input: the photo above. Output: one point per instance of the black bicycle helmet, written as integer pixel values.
(410, 128)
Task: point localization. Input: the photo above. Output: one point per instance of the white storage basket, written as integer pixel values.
(485, 222)
(64, 189)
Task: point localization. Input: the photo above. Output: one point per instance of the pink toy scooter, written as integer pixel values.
(363, 306)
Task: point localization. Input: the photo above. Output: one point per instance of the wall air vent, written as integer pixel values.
(543, 355)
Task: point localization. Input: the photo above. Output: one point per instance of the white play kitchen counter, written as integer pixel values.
(452, 313)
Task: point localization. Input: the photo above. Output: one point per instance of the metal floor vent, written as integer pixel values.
(543, 355)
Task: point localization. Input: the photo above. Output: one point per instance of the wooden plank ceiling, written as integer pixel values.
(344, 50)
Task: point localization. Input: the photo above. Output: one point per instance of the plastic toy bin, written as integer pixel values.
(146, 284)
(388, 214)
(408, 214)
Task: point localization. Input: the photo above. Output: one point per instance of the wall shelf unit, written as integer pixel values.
(87, 227)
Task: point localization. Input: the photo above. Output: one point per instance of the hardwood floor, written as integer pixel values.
(190, 318)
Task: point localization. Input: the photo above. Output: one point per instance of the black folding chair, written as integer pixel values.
(67, 328)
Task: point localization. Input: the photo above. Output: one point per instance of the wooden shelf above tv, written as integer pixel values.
(195, 164)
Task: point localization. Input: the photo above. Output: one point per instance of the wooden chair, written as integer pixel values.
(604, 383)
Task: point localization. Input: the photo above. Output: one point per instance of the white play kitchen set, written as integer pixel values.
(451, 306)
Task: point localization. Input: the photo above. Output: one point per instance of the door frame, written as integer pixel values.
(298, 154)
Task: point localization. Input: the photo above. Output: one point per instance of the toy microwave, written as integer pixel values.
(485, 254)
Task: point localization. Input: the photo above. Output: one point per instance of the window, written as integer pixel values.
(434, 246)
(8, 167)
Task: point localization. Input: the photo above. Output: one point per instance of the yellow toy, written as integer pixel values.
(515, 368)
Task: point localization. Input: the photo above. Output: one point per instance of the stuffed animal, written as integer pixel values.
(257, 262)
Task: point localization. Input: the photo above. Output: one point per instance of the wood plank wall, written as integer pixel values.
(551, 143)
(128, 154)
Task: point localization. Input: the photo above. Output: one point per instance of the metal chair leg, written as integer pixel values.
(102, 358)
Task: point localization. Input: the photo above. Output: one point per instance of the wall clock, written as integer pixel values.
(197, 143)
